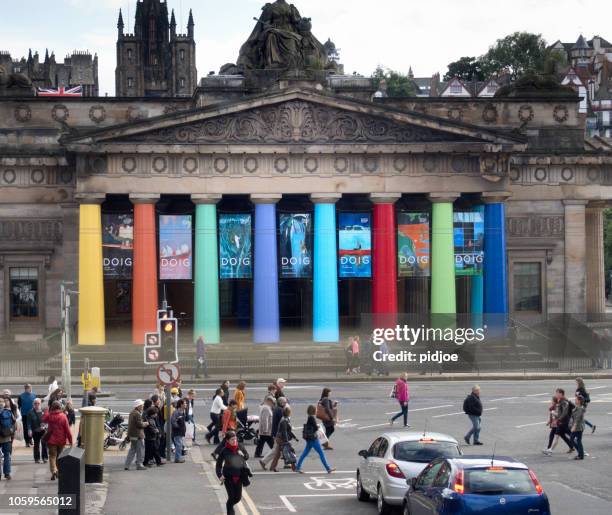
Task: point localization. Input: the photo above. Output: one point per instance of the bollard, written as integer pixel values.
(71, 480)
(92, 438)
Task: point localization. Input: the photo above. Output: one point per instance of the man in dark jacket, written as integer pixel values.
(136, 426)
(472, 406)
(564, 415)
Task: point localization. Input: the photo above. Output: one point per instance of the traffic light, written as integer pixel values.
(169, 337)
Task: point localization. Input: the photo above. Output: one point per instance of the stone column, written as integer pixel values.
(575, 256)
(206, 321)
(266, 327)
(443, 297)
(326, 322)
(384, 260)
(91, 329)
(144, 282)
(595, 272)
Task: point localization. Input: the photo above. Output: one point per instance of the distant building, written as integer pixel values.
(78, 69)
(155, 61)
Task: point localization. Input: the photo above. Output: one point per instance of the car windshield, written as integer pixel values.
(423, 451)
(498, 481)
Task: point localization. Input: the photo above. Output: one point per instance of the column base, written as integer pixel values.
(94, 473)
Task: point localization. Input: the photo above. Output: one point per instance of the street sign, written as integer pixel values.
(168, 374)
(152, 339)
(152, 349)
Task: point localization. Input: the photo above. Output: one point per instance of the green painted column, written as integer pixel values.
(206, 271)
(443, 298)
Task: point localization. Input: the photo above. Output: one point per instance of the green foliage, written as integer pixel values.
(467, 69)
(398, 85)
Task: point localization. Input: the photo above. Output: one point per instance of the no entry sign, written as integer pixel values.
(168, 374)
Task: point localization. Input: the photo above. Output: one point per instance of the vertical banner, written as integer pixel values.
(355, 245)
(117, 245)
(413, 244)
(175, 250)
(235, 246)
(295, 241)
(468, 234)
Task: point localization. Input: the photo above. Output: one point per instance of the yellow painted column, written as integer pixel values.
(91, 281)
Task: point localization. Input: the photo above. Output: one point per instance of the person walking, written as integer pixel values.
(151, 433)
(309, 435)
(136, 426)
(284, 436)
(582, 391)
(326, 412)
(402, 395)
(355, 353)
(36, 430)
(232, 470)
(58, 433)
(216, 410)
(25, 402)
(553, 438)
(53, 386)
(201, 364)
(277, 416)
(8, 425)
(190, 413)
(265, 426)
(280, 389)
(472, 407)
(229, 421)
(577, 424)
(240, 396)
(564, 414)
(178, 430)
(225, 386)
(348, 354)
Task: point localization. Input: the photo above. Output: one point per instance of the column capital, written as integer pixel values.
(206, 198)
(266, 198)
(445, 196)
(385, 198)
(495, 197)
(325, 198)
(144, 198)
(575, 202)
(90, 198)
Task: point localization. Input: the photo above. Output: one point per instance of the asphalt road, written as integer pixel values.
(513, 422)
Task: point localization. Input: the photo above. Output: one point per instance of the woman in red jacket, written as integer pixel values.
(402, 395)
(58, 431)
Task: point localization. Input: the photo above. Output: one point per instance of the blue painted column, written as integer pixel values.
(265, 298)
(326, 323)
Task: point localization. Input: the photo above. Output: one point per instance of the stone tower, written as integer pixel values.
(155, 61)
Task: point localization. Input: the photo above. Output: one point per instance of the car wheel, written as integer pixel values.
(381, 504)
(406, 509)
(362, 495)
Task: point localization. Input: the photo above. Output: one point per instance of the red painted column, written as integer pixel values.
(144, 268)
(384, 260)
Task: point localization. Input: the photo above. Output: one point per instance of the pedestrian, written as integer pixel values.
(280, 389)
(309, 435)
(52, 382)
(401, 393)
(201, 364)
(265, 426)
(577, 426)
(36, 430)
(174, 396)
(326, 412)
(70, 413)
(89, 397)
(232, 470)
(136, 426)
(190, 414)
(271, 392)
(178, 424)
(8, 426)
(553, 438)
(240, 396)
(284, 436)
(277, 416)
(216, 410)
(25, 402)
(564, 414)
(356, 360)
(229, 420)
(348, 354)
(582, 391)
(58, 434)
(225, 386)
(160, 422)
(56, 395)
(151, 433)
(472, 407)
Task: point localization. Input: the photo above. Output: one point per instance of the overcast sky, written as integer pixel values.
(426, 35)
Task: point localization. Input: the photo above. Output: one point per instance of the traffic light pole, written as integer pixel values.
(168, 424)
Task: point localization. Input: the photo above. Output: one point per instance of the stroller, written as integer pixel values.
(245, 430)
(115, 430)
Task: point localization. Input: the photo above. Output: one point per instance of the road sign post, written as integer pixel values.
(168, 374)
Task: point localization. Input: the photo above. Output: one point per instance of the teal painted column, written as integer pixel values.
(206, 285)
(443, 298)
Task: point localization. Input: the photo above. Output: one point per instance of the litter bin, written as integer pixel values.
(71, 480)
(92, 419)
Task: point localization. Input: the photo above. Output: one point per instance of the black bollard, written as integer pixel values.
(71, 480)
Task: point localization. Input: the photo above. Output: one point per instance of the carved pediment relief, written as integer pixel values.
(295, 121)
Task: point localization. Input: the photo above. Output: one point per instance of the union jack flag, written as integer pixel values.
(76, 91)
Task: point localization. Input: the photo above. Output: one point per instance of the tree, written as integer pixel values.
(398, 85)
(518, 54)
(467, 69)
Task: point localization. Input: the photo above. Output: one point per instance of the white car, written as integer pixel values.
(393, 459)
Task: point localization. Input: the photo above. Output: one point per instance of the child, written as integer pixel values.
(553, 437)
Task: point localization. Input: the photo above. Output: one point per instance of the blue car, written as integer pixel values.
(476, 485)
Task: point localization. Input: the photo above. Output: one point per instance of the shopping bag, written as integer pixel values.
(189, 430)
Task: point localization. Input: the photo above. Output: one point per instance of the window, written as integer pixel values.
(182, 82)
(527, 286)
(373, 450)
(23, 293)
(382, 449)
(424, 452)
(456, 88)
(130, 82)
(129, 54)
(428, 475)
(182, 54)
(443, 476)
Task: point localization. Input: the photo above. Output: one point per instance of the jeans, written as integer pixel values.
(215, 426)
(576, 437)
(263, 439)
(136, 449)
(403, 412)
(7, 450)
(179, 442)
(234, 494)
(316, 445)
(475, 420)
(551, 436)
(563, 432)
(39, 445)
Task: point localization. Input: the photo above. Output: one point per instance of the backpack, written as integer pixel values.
(7, 423)
(571, 407)
(393, 393)
(309, 433)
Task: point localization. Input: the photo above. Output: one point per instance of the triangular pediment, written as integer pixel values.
(293, 117)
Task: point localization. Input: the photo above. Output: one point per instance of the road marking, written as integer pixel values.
(325, 484)
(423, 409)
(538, 394)
(291, 507)
(534, 424)
(459, 413)
(313, 473)
(503, 399)
(597, 387)
(246, 497)
(375, 425)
